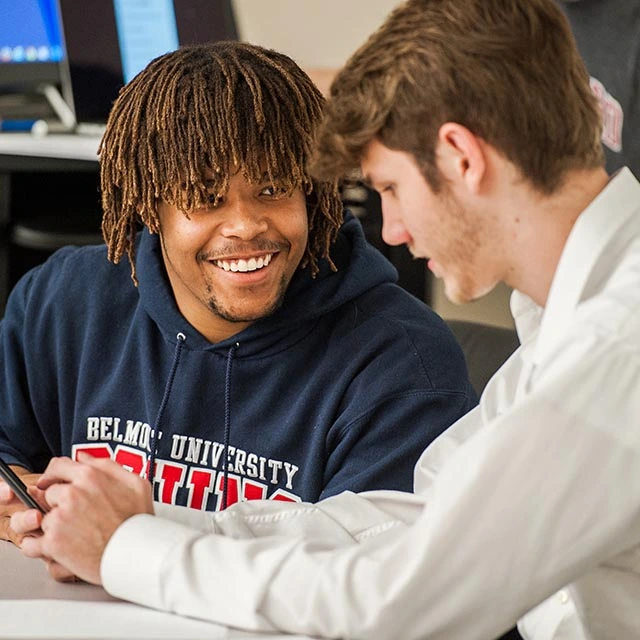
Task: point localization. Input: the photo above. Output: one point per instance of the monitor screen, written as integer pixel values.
(110, 41)
(31, 45)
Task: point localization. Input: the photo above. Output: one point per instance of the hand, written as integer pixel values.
(89, 500)
(9, 504)
(26, 522)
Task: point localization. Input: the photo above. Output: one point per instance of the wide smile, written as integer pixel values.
(244, 265)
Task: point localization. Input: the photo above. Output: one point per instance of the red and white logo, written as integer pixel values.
(612, 116)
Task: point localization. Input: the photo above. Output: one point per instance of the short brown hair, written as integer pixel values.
(204, 111)
(508, 70)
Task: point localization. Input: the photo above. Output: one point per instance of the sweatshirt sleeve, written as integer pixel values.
(21, 440)
(379, 448)
(511, 518)
(408, 385)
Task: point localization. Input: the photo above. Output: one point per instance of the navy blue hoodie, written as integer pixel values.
(342, 388)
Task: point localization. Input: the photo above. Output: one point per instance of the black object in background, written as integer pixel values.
(93, 49)
(364, 203)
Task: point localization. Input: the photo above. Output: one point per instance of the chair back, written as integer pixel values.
(485, 348)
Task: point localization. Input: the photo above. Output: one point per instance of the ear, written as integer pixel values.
(461, 155)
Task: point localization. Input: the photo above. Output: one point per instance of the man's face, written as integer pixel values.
(457, 240)
(230, 263)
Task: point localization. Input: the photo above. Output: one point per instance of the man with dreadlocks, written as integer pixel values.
(245, 344)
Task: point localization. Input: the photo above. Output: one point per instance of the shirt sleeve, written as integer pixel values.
(527, 504)
(342, 519)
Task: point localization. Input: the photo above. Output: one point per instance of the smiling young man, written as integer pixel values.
(260, 233)
(247, 344)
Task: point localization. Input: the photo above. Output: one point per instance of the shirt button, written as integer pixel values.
(563, 597)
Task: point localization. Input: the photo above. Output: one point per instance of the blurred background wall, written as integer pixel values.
(316, 33)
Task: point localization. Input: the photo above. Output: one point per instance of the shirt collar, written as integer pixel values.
(587, 241)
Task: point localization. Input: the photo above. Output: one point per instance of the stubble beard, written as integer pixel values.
(216, 307)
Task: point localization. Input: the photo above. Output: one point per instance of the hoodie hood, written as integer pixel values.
(360, 267)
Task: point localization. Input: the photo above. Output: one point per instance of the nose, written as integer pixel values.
(394, 232)
(243, 221)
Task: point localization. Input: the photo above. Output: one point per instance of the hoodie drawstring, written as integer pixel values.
(165, 398)
(227, 421)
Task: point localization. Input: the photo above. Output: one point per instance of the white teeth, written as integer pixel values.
(253, 264)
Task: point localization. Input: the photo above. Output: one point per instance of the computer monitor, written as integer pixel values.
(31, 47)
(34, 80)
(109, 41)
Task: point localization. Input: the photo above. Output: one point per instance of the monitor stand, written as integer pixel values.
(41, 109)
(65, 114)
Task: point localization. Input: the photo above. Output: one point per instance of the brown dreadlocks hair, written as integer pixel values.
(201, 113)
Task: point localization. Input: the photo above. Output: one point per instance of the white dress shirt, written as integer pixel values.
(527, 508)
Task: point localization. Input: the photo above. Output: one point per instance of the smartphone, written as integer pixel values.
(19, 487)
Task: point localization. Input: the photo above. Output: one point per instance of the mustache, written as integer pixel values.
(235, 248)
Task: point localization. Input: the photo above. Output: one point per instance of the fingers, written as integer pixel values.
(39, 496)
(61, 470)
(89, 500)
(58, 470)
(8, 507)
(6, 495)
(32, 547)
(7, 533)
(26, 521)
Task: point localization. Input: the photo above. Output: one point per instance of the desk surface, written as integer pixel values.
(61, 145)
(32, 605)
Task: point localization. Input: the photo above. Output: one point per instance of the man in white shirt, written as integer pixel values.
(475, 122)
